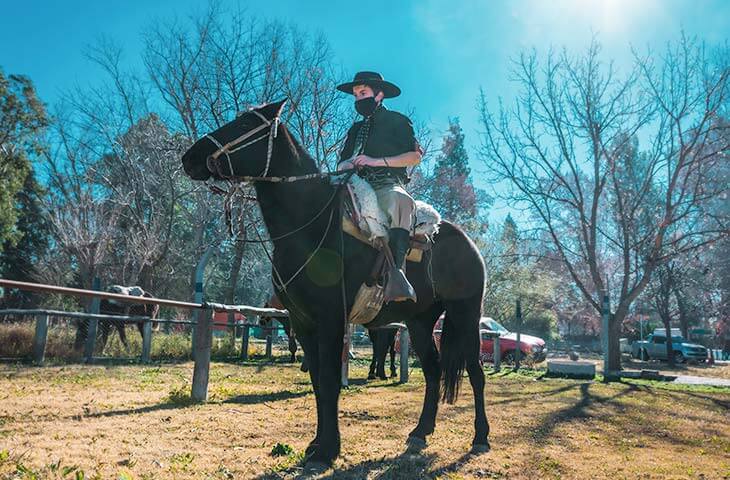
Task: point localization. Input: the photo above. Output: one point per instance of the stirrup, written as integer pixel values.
(398, 288)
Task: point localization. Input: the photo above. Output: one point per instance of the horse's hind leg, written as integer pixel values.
(381, 352)
(420, 329)
(123, 336)
(373, 334)
(466, 315)
(391, 348)
(373, 365)
(292, 347)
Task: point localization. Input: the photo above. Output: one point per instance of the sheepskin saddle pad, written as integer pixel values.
(365, 220)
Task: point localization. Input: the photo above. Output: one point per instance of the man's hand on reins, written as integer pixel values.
(366, 161)
(346, 165)
(361, 161)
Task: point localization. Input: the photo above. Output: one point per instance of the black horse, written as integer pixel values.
(317, 271)
(383, 340)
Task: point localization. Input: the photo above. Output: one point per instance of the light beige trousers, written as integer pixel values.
(397, 204)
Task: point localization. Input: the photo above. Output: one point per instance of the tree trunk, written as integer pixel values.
(666, 320)
(198, 238)
(683, 314)
(230, 296)
(87, 274)
(614, 347)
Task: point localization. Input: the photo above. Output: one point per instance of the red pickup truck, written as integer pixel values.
(532, 348)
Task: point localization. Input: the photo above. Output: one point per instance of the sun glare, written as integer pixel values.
(606, 17)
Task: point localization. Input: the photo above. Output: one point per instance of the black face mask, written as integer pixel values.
(366, 106)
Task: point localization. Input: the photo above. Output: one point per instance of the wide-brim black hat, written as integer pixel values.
(373, 80)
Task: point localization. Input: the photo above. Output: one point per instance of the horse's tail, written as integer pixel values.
(459, 343)
(453, 360)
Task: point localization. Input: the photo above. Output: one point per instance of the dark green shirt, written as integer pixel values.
(391, 134)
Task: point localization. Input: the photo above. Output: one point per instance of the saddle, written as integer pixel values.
(364, 220)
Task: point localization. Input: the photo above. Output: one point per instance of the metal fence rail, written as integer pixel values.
(79, 292)
(202, 328)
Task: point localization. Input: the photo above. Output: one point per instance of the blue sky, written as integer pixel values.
(440, 52)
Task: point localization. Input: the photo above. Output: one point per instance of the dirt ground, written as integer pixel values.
(136, 422)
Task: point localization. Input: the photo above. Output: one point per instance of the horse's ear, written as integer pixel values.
(274, 109)
(279, 106)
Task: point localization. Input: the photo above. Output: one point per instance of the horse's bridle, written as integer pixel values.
(237, 144)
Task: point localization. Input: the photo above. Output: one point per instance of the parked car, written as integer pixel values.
(655, 347)
(532, 348)
(360, 337)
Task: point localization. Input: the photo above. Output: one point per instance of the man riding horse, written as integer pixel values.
(318, 271)
(381, 147)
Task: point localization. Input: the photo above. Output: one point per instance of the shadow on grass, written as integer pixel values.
(721, 403)
(405, 465)
(514, 395)
(579, 410)
(135, 411)
(245, 399)
(254, 398)
(648, 420)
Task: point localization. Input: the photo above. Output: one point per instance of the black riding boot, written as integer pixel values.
(398, 289)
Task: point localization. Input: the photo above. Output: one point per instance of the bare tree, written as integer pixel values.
(83, 220)
(147, 184)
(232, 61)
(566, 151)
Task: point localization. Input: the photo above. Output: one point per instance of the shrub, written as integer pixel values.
(16, 339)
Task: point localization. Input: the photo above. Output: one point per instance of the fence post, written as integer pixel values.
(39, 341)
(497, 354)
(518, 350)
(93, 323)
(244, 341)
(201, 354)
(146, 341)
(198, 293)
(405, 343)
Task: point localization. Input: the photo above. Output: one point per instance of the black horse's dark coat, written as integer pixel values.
(323, 268)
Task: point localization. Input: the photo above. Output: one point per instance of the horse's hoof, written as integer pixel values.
(316, 467)
(415, 444)
(371, 376)
(304, 368)
(478, 448)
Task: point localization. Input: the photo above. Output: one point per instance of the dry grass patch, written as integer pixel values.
(137, 422)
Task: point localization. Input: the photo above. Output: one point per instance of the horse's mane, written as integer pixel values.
(299, 153)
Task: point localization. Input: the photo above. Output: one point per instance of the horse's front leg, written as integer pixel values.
(311, 350)
(329, 373)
